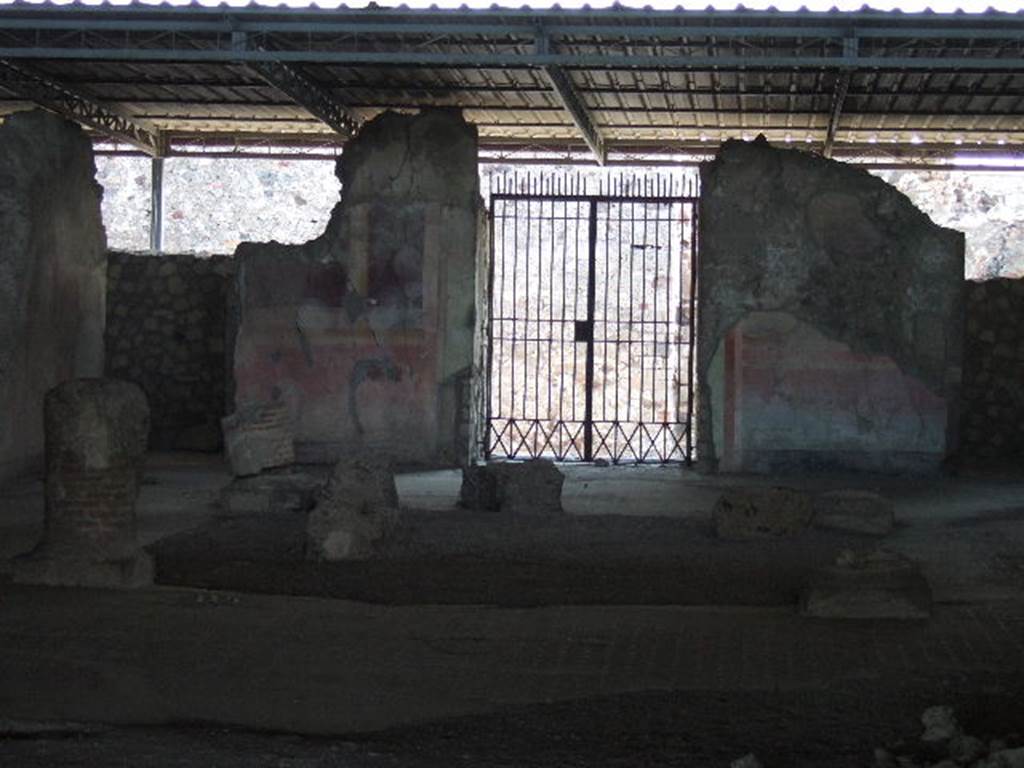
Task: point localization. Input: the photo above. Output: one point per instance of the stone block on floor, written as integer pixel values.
(258, 437)
(479, 489)
(357, 509)
(757, 513)
(875, 584)
(531, 487)
(854, 511)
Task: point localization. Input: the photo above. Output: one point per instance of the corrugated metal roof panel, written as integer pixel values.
(697, 6)
(666, 78)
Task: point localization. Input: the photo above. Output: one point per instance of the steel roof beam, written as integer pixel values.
(301, 89)
(56, 97)
(498, 60)
(573, 102)
(836, 111)
(1003, 27)
(440, 91)
(218, 11)
(842, 86)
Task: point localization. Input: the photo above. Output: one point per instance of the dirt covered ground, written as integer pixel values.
(838, 728)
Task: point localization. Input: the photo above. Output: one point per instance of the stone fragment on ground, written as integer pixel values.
(854, 511)
(884, 758)
(258, 437)
(943, 744)
(292, 489)
(96, 433)
(479, 490)
(875, 584)
(965, 749)
(1007, 758)
(940, 725)
(747, 761)
(357, 509)
(531, 487)
(756, 513)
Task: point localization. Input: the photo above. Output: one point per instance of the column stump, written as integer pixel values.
(96, 433)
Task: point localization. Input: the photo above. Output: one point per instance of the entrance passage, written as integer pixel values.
(592, 307)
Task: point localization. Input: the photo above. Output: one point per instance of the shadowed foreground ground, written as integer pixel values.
(837, 728)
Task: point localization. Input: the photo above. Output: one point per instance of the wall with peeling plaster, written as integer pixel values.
(830, 318)
(52, 274)
(368, 332)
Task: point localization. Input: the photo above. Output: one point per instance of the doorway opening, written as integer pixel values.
(592, 296)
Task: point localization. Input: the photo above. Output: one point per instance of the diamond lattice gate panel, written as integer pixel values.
(592, 301)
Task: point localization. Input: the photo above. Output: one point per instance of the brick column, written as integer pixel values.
(96, 433)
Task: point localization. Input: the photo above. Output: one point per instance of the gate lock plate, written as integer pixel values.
(584, 330)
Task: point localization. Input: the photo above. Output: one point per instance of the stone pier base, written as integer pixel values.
(96, 433)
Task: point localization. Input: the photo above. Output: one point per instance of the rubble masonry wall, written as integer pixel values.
(831, 318)
(52, 274)
(166, 332)
(992, 418)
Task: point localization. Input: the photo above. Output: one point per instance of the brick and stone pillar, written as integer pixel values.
(96, 432)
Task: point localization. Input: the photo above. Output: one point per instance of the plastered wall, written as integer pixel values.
(830, 319)
(368, 332)
(52, 275)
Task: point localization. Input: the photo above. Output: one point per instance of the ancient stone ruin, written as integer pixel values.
(96, 432)
(358, 509)
(992, 418)
(945, 743)
(52, 274)
(366, 334)
(258, 436)
(531, 487)
(831, 322)
(167, 332)
(868, 584)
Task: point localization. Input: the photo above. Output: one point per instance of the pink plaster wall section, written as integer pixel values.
(793, 389)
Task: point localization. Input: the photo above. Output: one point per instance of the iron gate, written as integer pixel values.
(591, 327)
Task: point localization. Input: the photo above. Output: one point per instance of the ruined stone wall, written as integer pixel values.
(830, 318)
(166, 332)
(52, 274)
(993, 388)
(367, 332)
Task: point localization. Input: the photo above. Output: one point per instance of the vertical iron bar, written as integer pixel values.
(562, 324)
(605, 319)
(515, 325)
(503, 248)
(575, 303)
(588, 408)
(694, 257)
(620, 206)
(526, 310)
(550, 323)
(656, 321)
(629, 348)
(672, 305)
(643, 324)
(486, 447)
